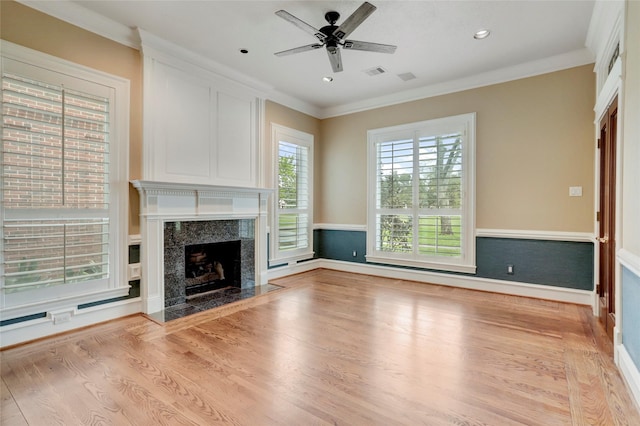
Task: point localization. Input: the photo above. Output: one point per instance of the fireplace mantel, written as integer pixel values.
(162, 202)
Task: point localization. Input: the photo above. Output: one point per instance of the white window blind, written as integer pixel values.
(55, 151)
(293, 196)
(292, 238)
(422, 210)
(63, 183)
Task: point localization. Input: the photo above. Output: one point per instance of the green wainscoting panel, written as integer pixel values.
(340, 245)
(555, 263)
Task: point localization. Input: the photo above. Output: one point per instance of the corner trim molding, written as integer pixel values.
(629, 372)
(339, 227)
(586, 237)
(558, 294)
(134, 239)
(629, 261)
(536, 235)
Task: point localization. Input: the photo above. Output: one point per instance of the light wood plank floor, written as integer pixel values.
(332, 348)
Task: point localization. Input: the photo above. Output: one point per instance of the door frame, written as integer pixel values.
(607, 216)
(608, 94)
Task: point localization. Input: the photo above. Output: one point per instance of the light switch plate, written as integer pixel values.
(575, 191)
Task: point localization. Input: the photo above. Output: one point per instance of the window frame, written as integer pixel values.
(466, 263)
(279, 134)
(43, 67)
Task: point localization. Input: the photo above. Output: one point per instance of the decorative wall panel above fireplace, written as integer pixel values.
(199, 127)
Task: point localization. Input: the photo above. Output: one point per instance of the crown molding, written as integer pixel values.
(528, 69)
(86, 19)
(604, 26)
(75, 14)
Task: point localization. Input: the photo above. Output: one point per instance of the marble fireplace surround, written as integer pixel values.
(163, 202)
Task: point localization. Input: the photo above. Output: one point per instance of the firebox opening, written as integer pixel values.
(212, 266)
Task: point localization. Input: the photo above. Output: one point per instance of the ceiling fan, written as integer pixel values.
(332, 36)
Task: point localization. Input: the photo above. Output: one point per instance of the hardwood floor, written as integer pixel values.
(332, 348)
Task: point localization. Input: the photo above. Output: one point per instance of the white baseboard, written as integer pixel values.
(629, 372)
(38, 328)
(285, 270)
(75, 318)
(538, 291)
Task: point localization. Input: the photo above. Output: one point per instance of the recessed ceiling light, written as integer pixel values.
(479, 35)
(327, 79)
(244, 51)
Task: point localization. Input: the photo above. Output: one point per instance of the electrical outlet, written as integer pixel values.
(134, 271)
(355, 253)
(61, 316)
(510, 269)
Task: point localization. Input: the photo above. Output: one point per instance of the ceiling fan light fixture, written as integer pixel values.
(481, 34)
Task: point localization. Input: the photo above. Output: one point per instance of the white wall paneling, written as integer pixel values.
(199, 127)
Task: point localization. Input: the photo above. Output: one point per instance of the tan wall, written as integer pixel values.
(534, 136)
(631, 133)
(30, 28)
(279, 114)
(534, 139)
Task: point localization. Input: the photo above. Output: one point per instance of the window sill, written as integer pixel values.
(436, 266)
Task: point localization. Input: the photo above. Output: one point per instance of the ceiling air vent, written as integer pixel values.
(375, 71)
(406, 76)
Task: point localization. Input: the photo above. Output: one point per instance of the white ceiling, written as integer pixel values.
(434, 38)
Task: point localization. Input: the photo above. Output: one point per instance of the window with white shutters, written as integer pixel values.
(292, 236)
(421, 203)
(56, 157)
(58, 225)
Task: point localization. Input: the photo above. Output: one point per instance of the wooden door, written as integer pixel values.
(607, 217)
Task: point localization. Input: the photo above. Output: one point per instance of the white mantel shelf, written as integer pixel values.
(151, 185)
(162, 202)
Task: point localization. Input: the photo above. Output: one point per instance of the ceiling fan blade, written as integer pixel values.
(299, 49)
(335, 58)
(301, 24)
(353, 21)
(369, 47)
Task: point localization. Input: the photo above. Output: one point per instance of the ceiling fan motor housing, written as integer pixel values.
(332, 17)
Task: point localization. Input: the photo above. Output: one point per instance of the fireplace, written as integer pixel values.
(175, 216)
(204, 256)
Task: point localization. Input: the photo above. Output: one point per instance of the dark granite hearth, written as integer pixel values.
(211, 300)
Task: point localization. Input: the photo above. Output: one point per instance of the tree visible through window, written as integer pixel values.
(292, 238)
(419, 211)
